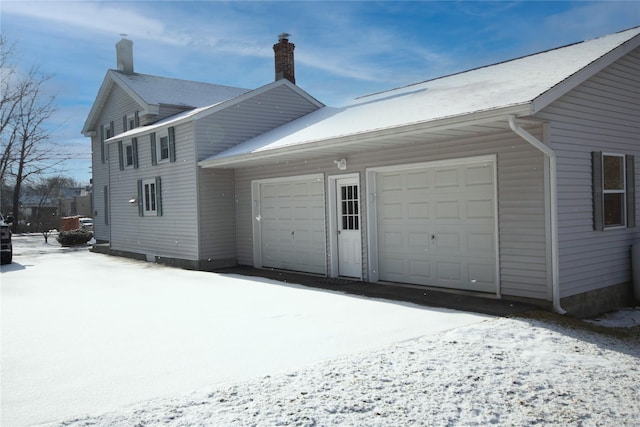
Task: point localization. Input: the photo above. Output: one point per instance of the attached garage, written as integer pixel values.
(289, 226)
(435, 224)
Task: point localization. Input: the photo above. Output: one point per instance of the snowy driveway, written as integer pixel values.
(88, 333)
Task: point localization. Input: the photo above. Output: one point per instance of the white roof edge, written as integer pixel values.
(486, 116)
(198, 113)
(110, 78)
(573, 81)
(252, 93)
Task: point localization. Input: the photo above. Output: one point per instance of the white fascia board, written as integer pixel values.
(134, 95)
(110, 79)
(446, 123)
(198, 113)
(256, 92)
(98, 103)
(576, 79)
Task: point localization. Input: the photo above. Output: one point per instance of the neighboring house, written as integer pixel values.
(75, 201)
(515, 180)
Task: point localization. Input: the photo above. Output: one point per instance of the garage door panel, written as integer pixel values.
(292, 225)
(436, 226)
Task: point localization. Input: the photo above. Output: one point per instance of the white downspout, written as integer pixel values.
(555, 281)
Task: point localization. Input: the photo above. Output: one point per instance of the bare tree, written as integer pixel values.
(25, 109)
(48, 191)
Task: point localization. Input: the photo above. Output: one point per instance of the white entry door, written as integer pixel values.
(348, 225)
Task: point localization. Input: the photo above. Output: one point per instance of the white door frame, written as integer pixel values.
(332, 215)
(372, 217)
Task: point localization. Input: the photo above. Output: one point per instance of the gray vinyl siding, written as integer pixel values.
(175, 233)
(247, 119)
(117, 105)
(603, 114)
(217, 216)
(521, 200)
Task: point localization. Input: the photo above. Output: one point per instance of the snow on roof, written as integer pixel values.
(507, 84)
(156, 90)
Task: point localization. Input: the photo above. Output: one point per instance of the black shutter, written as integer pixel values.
(140, 199)
(158, 196)
(134, 148)
(631, 192)
(172, 144)
(136, 119)
(596, 177)
(154, 155)
(102, 142)
(106, 204)
(120, 158)
(112, 128)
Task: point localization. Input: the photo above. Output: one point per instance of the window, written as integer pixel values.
(163, 148)
(150, 197)
(349, 207)
(128, 154)
(613, 190)
(150, 207)
(128, 158)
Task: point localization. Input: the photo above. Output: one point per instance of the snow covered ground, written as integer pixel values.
(89, 339)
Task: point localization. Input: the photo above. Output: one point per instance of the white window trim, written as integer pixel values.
(622, 191)
(146, 202)
(125, 158)
(159, 158)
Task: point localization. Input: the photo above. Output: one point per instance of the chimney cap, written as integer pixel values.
(283, 36)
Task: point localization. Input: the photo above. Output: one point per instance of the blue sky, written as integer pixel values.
(344, 49)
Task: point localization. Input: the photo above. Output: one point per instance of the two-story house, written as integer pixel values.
(515, 180)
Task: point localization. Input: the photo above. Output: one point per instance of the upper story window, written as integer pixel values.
(130, 121)
(163, 147)
(128, 154)
(613, 190)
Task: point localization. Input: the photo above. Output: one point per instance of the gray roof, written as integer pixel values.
(155, 90)
(152, 91)
(522, 86)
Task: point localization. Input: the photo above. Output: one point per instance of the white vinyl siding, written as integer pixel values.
(173, 234)
(217, 217)
(599, 115)
(117, 104)
(248, 119)
(521, 199)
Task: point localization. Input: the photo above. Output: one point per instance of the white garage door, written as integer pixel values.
(436, 226)
(292, 224)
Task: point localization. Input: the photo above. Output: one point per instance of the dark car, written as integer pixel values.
(5, 240)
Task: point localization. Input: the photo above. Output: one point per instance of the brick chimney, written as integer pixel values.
(124, 55)
(284, 58)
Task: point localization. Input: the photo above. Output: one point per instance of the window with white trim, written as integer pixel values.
(163, 149)
(149, 191)
(150, 197)
(128, 155)
(613, 190)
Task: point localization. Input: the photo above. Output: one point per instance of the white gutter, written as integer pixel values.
(555, 281)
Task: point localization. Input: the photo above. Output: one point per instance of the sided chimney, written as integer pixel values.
(284, 58)
(124, 55)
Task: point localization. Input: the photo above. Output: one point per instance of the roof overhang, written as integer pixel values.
(198, 113)
(445, 128)
(584, 74)
(110, 79)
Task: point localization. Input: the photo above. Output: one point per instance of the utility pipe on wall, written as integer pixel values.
(551, 155)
